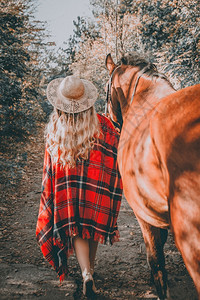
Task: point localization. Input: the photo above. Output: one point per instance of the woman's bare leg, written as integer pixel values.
(92, 254)
(82, 251)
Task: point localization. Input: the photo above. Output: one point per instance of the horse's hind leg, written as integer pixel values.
(185, 220)
(155, 239)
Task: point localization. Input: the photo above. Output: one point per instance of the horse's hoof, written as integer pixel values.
(168, 296)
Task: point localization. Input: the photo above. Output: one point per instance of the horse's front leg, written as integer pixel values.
(155, 239)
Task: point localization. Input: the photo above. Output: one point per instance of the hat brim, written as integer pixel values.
(71, 105)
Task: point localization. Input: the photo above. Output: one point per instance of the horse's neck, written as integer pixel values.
(148, 94)
(161, 89)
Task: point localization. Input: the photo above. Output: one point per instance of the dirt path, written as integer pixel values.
(121, 270)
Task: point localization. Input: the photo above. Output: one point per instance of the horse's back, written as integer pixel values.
(177, 117)
(175, 129)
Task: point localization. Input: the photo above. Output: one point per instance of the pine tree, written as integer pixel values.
(167, 32)
(170, 30)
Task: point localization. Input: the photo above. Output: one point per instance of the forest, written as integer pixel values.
(166, 32)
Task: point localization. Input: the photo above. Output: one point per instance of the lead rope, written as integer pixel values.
(108, 93)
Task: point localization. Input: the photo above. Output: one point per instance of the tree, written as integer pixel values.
(166, 31)
(20, 42)
(110, 34)
(171, 31)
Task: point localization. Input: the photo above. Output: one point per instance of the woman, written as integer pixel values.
(81, 188)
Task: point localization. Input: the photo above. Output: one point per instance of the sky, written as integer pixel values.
(60, 14)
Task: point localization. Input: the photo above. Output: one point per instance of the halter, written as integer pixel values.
(108, 91)
(109, 85)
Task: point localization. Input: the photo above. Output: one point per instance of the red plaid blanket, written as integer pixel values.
(82, 201)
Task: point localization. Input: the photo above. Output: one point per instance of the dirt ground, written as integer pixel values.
(121, 270)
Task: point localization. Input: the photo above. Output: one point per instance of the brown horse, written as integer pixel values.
(159, 160)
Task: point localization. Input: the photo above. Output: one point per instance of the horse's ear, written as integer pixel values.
(110, 65)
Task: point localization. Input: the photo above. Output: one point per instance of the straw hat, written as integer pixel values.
(71, 94)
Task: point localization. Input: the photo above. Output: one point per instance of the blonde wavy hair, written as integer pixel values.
(70, 137)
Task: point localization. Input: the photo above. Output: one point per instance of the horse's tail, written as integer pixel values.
(175, 130)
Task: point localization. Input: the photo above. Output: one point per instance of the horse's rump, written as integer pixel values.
(175, 130)
(175, 126)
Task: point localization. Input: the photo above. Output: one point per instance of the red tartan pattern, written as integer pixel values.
(83, 201)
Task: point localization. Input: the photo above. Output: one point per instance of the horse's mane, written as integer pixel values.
(137, 60)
